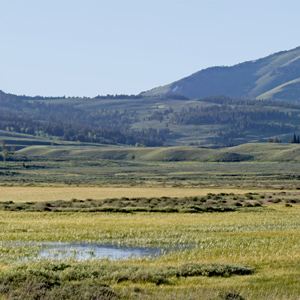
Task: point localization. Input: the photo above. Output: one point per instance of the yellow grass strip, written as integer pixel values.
(35, 194)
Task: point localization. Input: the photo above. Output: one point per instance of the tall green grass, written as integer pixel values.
(267, 240)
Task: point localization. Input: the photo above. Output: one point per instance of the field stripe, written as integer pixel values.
(35, 194)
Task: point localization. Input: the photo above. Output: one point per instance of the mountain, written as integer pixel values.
(213, 108)
(275, 77)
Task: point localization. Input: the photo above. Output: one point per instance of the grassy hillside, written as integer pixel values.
(252, 165)
(270, 152)
(19, 141)
(259, 152)
(143, 154)
(246, 80)
(289, 90)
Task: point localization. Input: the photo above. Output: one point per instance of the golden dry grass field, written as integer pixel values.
(36, 194)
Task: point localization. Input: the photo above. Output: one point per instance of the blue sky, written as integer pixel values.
(92, 47)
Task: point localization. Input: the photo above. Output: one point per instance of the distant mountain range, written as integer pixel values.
(275, 77)
(210, 108)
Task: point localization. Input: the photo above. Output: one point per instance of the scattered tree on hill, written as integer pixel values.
(276, 140)
(295, 139)
(5, 153)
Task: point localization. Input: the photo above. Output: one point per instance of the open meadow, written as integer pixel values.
(267, 240)
(209, 230)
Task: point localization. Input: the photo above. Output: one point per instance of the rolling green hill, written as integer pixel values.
(274, 77)
(258, 152)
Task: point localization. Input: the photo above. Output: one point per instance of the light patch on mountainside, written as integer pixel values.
(292, 88)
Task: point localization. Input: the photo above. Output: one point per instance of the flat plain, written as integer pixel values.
(268, 240)
(258, 244)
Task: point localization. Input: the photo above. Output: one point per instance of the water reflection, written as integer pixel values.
(82, 251)
(88, 251)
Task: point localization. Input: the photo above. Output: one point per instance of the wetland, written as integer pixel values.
(87, 228)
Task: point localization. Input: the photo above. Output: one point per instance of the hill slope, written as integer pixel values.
(259, 152)
(274, 77)
(151, 121)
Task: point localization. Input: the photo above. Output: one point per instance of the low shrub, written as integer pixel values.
(230, 296)
(49, 275)
(126, 205)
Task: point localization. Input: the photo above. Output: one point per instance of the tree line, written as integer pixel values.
(74, 124)
(234, 118)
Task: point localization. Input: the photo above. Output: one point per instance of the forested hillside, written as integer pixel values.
(240, 116)
(29, 115)
(215, 121)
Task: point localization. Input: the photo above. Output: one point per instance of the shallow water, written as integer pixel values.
(82, 251)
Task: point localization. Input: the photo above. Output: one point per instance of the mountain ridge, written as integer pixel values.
(250, 79)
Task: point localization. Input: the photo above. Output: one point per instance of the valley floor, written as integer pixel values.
(267, 240)
(261, 234)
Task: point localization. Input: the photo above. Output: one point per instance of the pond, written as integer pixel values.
(87, 251)
(81, 251)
